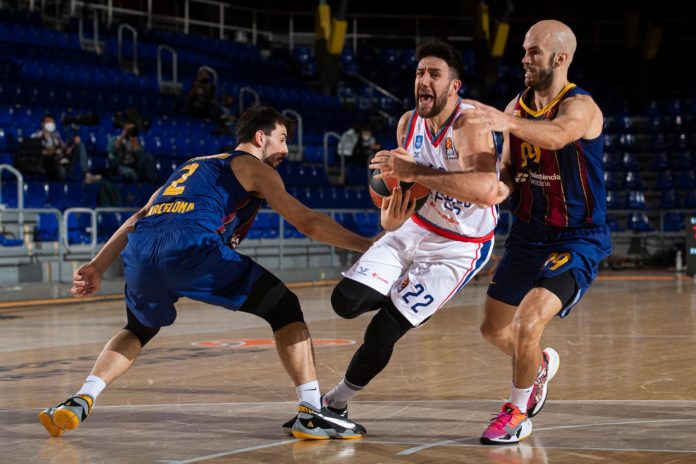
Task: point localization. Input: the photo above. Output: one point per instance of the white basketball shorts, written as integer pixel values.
(419, 269)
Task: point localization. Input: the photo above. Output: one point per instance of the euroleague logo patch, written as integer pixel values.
(268, 343)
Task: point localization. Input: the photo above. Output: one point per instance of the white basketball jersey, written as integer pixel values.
(441, 213)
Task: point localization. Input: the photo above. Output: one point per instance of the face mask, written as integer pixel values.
(50, 126)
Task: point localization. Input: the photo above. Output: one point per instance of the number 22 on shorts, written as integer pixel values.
(416, 295)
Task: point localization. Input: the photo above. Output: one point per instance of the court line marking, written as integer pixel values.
(423, 447)
(577, 426)
(229, 453)
(402, 402)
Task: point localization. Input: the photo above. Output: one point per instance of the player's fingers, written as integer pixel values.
(396, 199)
(385, 204)
(412, 208)
(405, 202)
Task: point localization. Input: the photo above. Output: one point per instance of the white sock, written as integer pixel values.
(93, 386)
(309, 393)
(343, 392)
(520, 396)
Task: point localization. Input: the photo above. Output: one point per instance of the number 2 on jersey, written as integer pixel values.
(174, 188)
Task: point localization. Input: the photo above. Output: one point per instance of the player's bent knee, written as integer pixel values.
(351, 298)
(272, 300)
(143, 332)
(285, 312)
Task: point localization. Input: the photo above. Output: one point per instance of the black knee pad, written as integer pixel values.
(143, 332)
(272, 300)
(351, 298)
(385, 329)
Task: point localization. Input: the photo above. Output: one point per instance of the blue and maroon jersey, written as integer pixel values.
(205, 192)
(559, 188)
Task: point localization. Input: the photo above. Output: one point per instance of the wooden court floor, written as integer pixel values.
(211, 389)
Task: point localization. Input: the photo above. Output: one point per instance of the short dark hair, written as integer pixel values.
(46, 116)
(444, 51)
(260, 117)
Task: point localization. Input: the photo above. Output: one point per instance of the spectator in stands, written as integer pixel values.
(348, 142)
(227, 116)
(128, 158)
(58, 156)
(201, 97)
(365, 148)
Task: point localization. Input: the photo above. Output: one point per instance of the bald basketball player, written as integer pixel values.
(552, 169)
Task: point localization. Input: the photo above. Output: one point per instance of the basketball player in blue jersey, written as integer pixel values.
(427, 256)
(182, 244)
(552, 169)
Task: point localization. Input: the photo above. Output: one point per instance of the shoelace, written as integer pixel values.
(501, 419)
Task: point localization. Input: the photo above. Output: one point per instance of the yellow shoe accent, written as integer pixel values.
(47, 422)
(66, 419)
(351, 437)
(306, 436)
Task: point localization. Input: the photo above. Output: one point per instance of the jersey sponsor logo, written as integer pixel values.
(521, 177)
(543, 180)
(419, 142)
(379, 277)
(450, 152)
(171, 207)
(516, 113)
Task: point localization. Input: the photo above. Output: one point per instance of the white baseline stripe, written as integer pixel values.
(229, 453)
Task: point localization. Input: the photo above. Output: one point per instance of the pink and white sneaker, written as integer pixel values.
(549, 366)
(508, 427)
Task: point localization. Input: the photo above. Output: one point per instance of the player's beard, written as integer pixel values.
(439, 104)
(541, 78)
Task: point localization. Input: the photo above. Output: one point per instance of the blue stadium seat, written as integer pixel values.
(46, 229)
(8, 195)
(638, 222)
(614, 200)
(79, 228)
(107, 223)
(686, 180)
(629, 161)
(690, 199)
(635, 199)
(368, 223)
(611, 161)
(613, 224)
(35, 195)
(682, 160)
(673, 222)
(613, 181)
(660, 161)
(664, 181)
(633, 180)
(669, 199)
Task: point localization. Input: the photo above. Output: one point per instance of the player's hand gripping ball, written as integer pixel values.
(382, 188)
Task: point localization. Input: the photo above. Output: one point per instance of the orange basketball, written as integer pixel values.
(382, 188)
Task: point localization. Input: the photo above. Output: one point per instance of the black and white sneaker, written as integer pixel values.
(342, 413)
(311, 424)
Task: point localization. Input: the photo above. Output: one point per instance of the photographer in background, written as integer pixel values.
(201, 97)
(128, 158)
(58, 156)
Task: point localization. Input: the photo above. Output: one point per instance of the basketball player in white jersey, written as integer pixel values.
(425, 258)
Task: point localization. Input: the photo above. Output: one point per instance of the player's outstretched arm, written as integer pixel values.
(87, 278)
(578, 117)
(260, 178)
